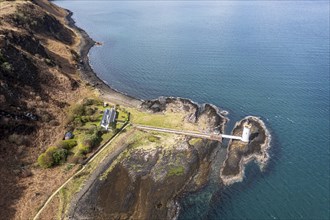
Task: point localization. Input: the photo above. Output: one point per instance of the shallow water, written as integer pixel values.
(265, 58)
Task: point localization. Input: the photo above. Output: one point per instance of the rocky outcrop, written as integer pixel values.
(144, 184)
(31, 18)
(147, 179)
(240, 153)
(209, 117)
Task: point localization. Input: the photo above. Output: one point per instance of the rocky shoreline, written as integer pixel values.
(193, 180)
(153, 170)
(151, 192)
(239, 154)
(88, 74)
(108, 93)
(199, 110)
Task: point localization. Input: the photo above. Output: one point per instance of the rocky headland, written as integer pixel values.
(156, 168)
(240, 153)
(208, 117)
(44, 69)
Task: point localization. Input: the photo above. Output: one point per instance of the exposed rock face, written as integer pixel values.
(209, 117)
(145, 184)
(240, 153)
(146, 179)
(30, 17)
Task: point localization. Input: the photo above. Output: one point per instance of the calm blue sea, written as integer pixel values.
(264, 58)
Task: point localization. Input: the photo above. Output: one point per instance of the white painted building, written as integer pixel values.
(246, 132)
(109, 116)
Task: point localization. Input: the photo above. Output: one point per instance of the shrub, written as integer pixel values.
(83, 149)
(49, 62)
(53, 156)
(91, 140)
(176, 171)
(88, 102)
(45, 161)
(153, 138)
(78, 110)
(2, 57)
(84, 119)
(94, 118)
(6, 67)
(34, 23)
(77, 122)
(17, 139)
(45, 117)
(93, 130)
(59, 155)
(69, 167)
(194, 141)
(89, 111)
(67, 144)
(20, 17)
(92, 137)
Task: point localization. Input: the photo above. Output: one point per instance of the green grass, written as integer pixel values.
(194, 141)
(123, 116)
(67, 193)
(106, 136)
(140, 139)
(176, 171)
(83, 120)
(133, 138)
(152, 138)
(82, 131)
(162, 120)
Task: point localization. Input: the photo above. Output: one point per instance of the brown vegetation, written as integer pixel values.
(39, 80)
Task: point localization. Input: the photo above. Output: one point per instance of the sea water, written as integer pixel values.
(263, 58)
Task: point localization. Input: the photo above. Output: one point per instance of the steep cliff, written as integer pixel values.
(146, 180)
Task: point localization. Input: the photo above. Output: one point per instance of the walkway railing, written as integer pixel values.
(214, 137)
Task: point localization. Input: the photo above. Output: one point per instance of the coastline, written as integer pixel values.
(261, 159)
(105, 90)
(112, 95)
(109, 94)
(87, 73)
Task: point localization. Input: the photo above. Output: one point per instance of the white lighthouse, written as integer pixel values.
(246, 132)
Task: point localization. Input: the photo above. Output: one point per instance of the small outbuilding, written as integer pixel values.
(68, 135)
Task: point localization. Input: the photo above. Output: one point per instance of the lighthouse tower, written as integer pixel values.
(246, 132)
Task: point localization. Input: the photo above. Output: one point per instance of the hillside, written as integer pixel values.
(39, 81)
